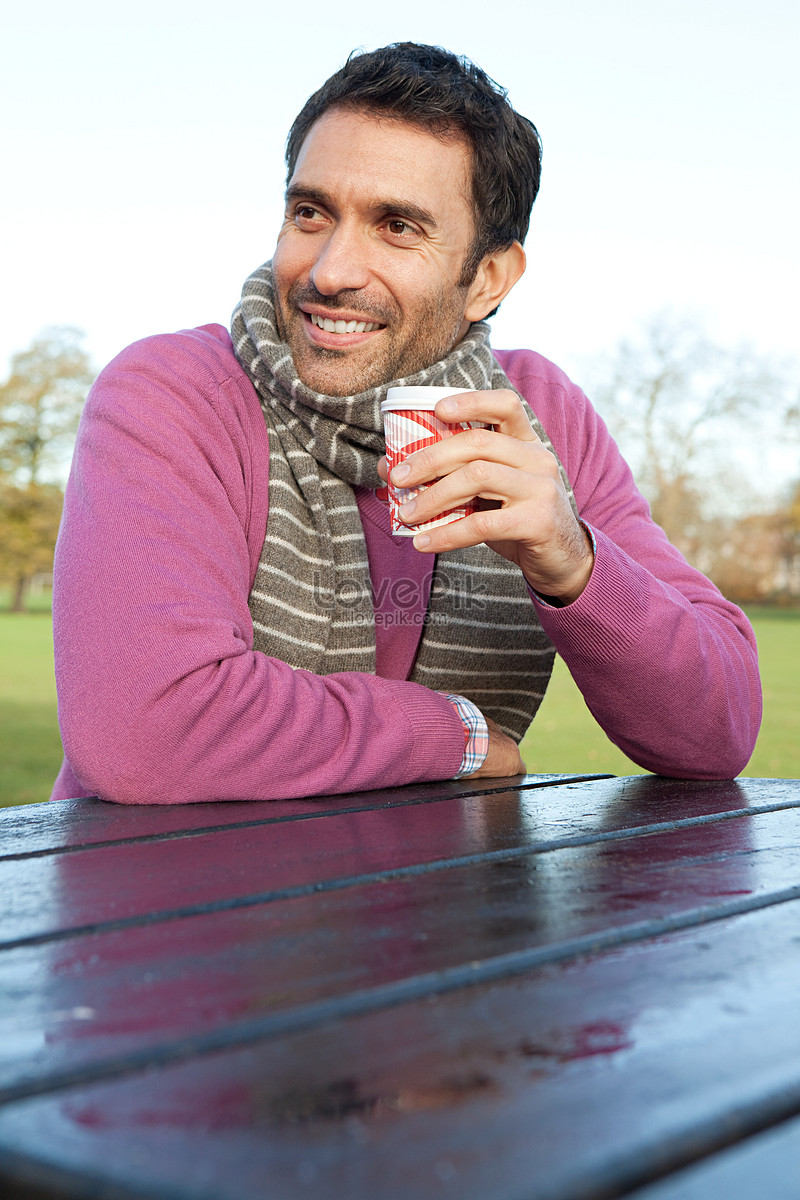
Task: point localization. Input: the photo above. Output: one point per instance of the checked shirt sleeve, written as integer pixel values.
(476, 734)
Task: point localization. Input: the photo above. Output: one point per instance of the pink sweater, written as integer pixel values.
(161, 696)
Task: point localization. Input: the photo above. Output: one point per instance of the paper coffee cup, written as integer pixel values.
(409, 424)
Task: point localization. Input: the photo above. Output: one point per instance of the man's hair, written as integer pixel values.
(448, 96)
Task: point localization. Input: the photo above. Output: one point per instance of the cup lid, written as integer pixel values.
(420, 397)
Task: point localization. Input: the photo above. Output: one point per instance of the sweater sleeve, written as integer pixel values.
(162, 698)
(666, 665)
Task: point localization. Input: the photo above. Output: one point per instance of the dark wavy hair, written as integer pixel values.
(449, 97)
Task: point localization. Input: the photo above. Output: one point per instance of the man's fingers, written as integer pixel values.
(529, 520)
(502, 408)
(491, 481)
(468, 447)
(503, 483)
(509, 438)
(492, 525)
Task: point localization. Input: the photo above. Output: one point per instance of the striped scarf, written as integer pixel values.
(311, 600)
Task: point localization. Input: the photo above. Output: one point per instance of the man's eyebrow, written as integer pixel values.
(296, 191)
(399, 208)
(406, 208)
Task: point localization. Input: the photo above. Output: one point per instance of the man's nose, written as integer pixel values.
(342, 263)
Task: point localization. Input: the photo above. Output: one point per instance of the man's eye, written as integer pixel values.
(306, 212)
(400, 229)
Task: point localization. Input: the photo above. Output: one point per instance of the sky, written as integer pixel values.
(142, 152)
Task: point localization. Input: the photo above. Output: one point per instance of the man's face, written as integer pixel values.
(378, 224)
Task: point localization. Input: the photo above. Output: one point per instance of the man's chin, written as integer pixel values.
(334, 373)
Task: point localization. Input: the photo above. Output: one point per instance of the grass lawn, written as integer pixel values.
(564, 736)
(777, 752)
(30, 746)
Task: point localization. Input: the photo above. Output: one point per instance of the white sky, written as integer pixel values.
(143, 173)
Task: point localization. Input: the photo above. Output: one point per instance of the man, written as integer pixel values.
(233, 619)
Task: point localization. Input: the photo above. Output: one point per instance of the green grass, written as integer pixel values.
(30, 746)
(777, 752)
(563, 738)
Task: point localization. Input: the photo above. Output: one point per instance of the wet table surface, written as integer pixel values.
(571, 987)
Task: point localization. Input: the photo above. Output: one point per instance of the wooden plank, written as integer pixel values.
(43, 896)
(63, 826)
(100, 997)
(66, 824)
(764, 1167)
(116, 882)
(582, 1079)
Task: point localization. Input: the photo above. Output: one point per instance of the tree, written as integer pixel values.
(28, 530)
(757, 557)
(40, 405)
(694, 420)
(789, 570)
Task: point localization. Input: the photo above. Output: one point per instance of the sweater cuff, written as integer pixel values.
(611, 613)
(436, 746)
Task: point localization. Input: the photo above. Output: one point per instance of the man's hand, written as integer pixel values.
(502, 758)
(532, 523)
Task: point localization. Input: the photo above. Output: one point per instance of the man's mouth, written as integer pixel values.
(339, 326)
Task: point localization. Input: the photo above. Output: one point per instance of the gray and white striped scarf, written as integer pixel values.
(311, 600)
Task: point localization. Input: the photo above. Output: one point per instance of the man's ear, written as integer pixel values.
(495, 278)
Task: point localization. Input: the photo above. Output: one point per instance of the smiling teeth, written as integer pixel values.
(343, 326)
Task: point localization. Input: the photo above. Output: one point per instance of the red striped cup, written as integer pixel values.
(410, 423)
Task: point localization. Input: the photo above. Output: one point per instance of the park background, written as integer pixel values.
(143, 162)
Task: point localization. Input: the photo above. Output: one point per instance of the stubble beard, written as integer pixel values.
(333, 372)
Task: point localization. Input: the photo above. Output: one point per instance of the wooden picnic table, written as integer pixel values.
(570, 987)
